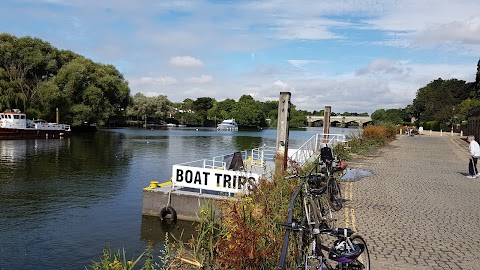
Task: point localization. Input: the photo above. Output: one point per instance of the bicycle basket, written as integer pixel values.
(341, 254)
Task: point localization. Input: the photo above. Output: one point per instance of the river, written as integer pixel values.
(62, 201)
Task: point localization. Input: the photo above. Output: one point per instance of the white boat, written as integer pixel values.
(14, 124)
(228, 124)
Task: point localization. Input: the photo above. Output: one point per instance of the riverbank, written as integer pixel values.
(417, 209)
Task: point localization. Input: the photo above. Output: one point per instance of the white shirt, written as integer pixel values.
(474, 149)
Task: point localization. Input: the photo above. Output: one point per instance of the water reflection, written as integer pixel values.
(154, 230)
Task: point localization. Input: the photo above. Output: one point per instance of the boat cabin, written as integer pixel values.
(13, 119)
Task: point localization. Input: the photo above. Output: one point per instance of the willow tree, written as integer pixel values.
(85, 92)
(24, 63)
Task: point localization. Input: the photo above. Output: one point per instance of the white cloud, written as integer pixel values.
(280, 84)
(464, 32)
(301, 63)
(201, 79)
(382, 65)
(379, 53)
(185, 61)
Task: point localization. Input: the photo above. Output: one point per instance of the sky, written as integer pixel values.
(352, 55)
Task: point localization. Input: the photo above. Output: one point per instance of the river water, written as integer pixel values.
(62, 201)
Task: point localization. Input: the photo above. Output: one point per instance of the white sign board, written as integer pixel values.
(212, 179)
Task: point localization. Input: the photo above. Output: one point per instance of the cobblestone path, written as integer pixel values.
(418, 210)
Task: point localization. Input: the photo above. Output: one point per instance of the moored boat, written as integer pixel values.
(15, 125)
(228, 124)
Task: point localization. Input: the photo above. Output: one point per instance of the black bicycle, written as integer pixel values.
(348, 251)
(334, 169)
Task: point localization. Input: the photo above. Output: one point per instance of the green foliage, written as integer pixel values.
(248, 112)
(143, 106)
(436, 100)
(464, 107)
(118, 261)
(202, 105)
(390, 116)
(297, 118)
(432, 125)
(38, 78)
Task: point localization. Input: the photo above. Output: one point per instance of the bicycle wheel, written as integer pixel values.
(309, 241)
(328, 221)
(362, 262)
(302, 251)
(334, 194)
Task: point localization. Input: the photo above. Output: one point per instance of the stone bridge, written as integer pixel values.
(340, 121)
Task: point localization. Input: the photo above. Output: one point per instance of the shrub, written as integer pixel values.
(379, 132)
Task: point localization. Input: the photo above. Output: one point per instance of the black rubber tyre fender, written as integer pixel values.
(168, 210)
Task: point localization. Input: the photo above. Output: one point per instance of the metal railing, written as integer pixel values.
(253, 157)
(313, 145)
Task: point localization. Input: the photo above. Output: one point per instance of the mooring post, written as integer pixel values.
(281, 154)
(326, 123)
(57, 114)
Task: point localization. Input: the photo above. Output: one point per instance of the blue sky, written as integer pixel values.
(352, 55)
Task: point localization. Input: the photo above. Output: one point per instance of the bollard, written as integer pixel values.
(451, 133)
(441, 132)
(461, 133)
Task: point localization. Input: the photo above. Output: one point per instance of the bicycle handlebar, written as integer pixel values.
(334, 231)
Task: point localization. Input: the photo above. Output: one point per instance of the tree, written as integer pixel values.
(143, 106)
(297, 117)
(379, 116)
(85, 92)
(433, 101)
(248, 112)
(202, 105)
(464, 107)
(38, 78)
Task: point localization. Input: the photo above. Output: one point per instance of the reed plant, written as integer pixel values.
(111, 260)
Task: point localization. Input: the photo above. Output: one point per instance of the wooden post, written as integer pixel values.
(57, 114)
(281, 154)
(326, 123)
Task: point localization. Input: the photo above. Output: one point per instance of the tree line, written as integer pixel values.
(438, 105)
(38, 78)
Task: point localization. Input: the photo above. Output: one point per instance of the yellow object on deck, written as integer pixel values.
(153, 184)
(165, 184)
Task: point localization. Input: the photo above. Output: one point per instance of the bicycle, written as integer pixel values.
(334, 168)
(314, 199)
(348, 252)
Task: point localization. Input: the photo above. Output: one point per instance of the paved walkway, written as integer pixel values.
(418, 210)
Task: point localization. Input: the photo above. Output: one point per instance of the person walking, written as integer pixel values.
(474, 151)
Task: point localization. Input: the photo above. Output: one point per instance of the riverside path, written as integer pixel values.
(418, 210)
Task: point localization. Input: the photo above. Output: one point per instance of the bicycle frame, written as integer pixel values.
(314, 218)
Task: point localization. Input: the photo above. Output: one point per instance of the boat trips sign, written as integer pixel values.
(212, 179)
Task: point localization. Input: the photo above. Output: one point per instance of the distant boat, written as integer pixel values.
(228, 124)
(15, 125)
(171, 125)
